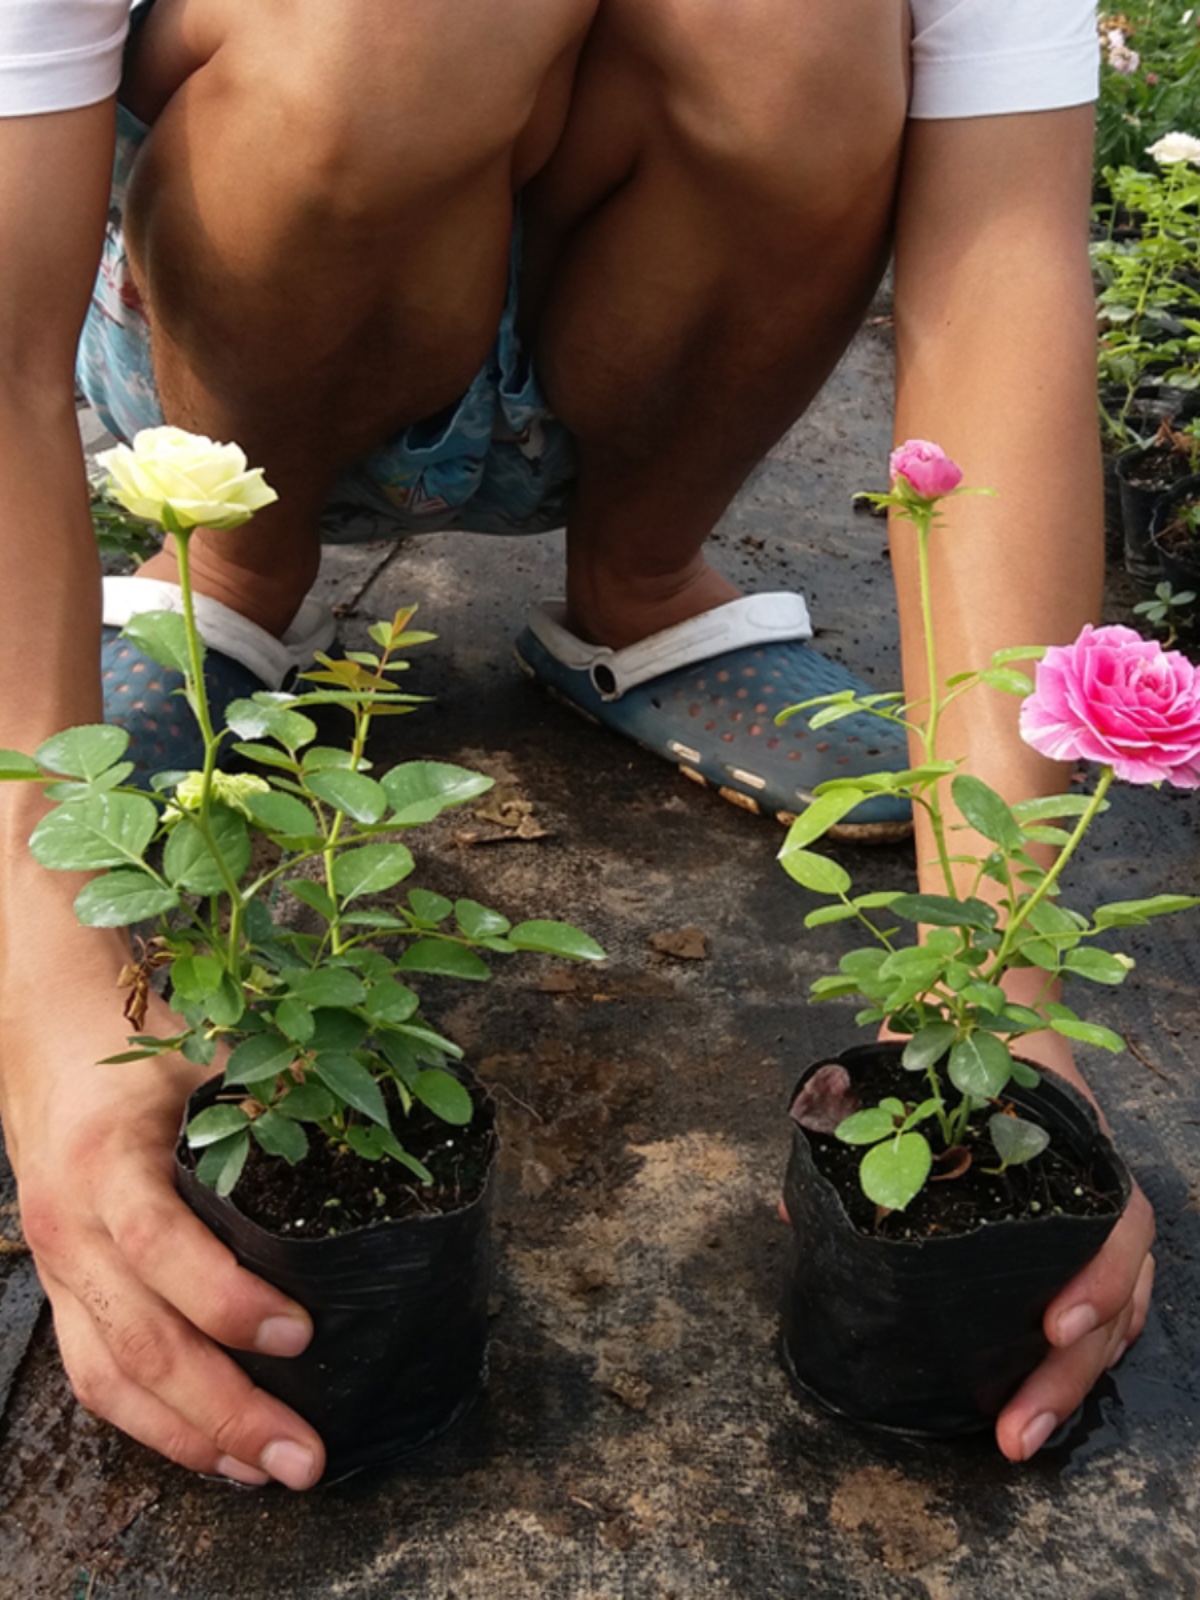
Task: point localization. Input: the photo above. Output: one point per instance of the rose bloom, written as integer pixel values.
(1121, 700)
(1173, 147)
(925, 467)
(204, 484)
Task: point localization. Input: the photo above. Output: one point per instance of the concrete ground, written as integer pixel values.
(638, 1438)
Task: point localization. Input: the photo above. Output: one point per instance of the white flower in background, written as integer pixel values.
(230, 788)
(1123, 60)
(1174, 147)
(204, 484)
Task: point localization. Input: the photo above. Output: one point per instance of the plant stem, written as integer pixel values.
(922, 519)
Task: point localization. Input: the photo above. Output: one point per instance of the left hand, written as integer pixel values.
(1095, 1318)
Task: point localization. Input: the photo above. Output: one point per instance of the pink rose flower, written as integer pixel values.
(1119, 699)
(926, 468)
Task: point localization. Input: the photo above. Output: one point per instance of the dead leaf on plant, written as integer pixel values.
(951, 1163)
(687, 944)
(826, 1099)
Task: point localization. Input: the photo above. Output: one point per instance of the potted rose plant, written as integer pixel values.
(941, 1188)
(340, 1149)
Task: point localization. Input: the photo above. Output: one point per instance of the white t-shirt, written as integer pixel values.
(971, 58)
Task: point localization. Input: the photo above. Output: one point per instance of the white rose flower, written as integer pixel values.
(1174, 147)
(204, 484)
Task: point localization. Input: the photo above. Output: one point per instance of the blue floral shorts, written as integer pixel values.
(497, 462)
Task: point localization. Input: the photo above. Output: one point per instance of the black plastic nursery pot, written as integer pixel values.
(934, 1335)
(400, 1317)
(1178, 558)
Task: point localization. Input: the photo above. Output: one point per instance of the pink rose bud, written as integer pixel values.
(1121, 700)
(926, 468)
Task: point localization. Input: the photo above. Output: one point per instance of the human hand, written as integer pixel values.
(1092, 1321)
(141, 1292)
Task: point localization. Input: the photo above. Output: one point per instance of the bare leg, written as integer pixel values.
(706, 240)
(320, 224)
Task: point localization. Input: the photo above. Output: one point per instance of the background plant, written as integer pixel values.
(1141, 722)
(323, 1029)
(1149, 78)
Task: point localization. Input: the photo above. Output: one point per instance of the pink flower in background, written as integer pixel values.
(925, 467)
(1119, 699)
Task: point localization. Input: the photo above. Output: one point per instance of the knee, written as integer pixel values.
(799, 107)
(373, 119)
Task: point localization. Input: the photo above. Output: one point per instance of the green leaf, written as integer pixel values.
(1018, 652)
(389, 1001)
(109, 830)
(221, 1165)
(267, 716)
(325, 986)
(1016, 1140)
(14, 766)
(429, 907)
(83, 752)
(927, 1046)
(120, 898)
(418, 790)
(867, 1127)
(214, 1123)
(944, 911)
(1088, 1033)
(190, 864)
(266, 755)
(336, 1030)
(815, 872)
(283, 814)
(371, 868)
(259, 1058)
(1098, 965)
(1008, 681)
(194, 978)
(1133, 913)
(294, 1020)
(477, 922)
(314, 895)
(440, 959)
(372, 1144)
(307, 1102)
(912, 964)
(226, 1008)
(893, 1173)
(818, 817)
(352, 1084)
(824, 915)
(161, 635)
(1052, 807)
(987, 813)
(555, 939)
(280, 1136)
(444, 1095)
(352, 793)
(980, 1065)
(1055, 921)
(1028, 1077)
(988, 997)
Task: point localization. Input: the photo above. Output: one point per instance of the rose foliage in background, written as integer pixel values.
(1111, 698)
(322, 1027)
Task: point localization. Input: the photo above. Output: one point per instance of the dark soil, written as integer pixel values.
(1159, 469)
(1053, 1184)
(333, 1191)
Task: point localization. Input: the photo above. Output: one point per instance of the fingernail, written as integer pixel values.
(1074, 1324)
(1117, 1354)
(1036, 1434)
(282, 1336)
(230, 1467)
(290, 1464)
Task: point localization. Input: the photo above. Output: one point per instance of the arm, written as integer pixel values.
(138, 1286)
(995, 339)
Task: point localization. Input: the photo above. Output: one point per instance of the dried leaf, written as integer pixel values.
(826, 1099)
(687, 944)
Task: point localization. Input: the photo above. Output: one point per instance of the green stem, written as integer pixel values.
(196, 691)
(922, 519)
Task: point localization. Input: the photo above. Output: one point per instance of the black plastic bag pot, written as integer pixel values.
(933, 1336)
(399, 1310)
(1178, 560)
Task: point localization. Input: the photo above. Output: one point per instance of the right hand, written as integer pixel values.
(141, 1292)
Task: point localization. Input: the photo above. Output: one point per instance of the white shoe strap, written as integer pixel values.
(754, 619)
(313, 628)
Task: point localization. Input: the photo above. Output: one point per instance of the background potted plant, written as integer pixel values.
(921, 1268)
(341, 1150)
(1175, 540)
